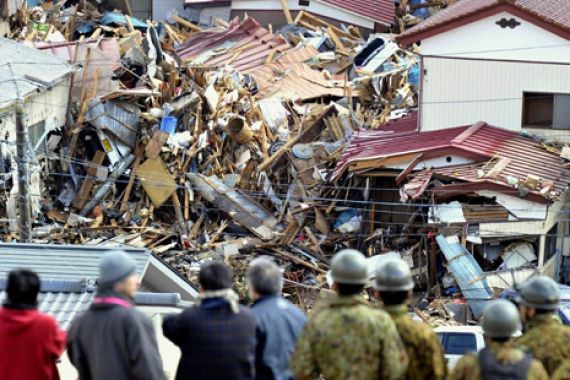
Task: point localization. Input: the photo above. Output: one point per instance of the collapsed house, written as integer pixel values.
(38, 81)
(233, 139)
(503, 194)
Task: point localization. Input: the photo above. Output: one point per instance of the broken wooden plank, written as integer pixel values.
(156, 180)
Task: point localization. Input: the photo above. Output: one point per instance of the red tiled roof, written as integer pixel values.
(480, 142)
(556, 13)
(378, 10)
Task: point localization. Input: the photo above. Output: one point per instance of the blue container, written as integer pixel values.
(168, 124)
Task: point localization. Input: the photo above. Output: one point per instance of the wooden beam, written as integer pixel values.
(286, 12)
(186, 23)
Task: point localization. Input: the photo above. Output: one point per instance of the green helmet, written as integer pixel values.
(501, 319)
(348, 266)
(540, 292)
(393, 276)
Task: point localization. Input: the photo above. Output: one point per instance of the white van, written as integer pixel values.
(459, 340)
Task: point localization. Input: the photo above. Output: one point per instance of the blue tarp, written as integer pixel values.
(116, 18)
(467, 273)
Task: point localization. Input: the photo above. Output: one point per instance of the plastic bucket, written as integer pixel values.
(239, 130)
(168, 124)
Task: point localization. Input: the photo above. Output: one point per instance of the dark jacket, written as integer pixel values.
(279, 324)
(215, 343)
(30, 344)
(111, 341)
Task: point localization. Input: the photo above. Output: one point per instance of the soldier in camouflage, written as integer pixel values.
(347, 339)
(563, 372)
(394, 286)
(546, 338)
(500, 359)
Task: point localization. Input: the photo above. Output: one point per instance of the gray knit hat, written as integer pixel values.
(115, 266)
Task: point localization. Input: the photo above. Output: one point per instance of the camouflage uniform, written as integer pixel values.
(548, 341)
(563, 372)
(424, 350)
(347, 339)
(468, 367)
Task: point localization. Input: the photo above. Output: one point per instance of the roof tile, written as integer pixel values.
(556, 12)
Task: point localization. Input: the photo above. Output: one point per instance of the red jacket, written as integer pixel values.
(30, 344)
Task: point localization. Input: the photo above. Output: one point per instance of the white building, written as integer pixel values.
(503, 62)
(43, 82)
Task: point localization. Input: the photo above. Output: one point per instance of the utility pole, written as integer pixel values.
(24, 219)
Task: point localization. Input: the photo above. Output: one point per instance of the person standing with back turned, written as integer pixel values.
(217, 335)
(347, 339)
(112, 340)
(544, 336)
(279, 322)
(394, 286)
(500, 360)
(30, 341)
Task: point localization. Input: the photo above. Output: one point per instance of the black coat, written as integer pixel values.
(215, 343)
(114, 342)
(279, 324)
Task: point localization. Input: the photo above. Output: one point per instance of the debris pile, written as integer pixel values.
(201, 144)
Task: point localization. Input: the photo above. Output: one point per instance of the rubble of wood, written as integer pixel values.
(202, 144)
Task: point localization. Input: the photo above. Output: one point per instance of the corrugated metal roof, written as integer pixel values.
(32, 70)
(480, 142)
(61, 262)
(244, 45)
(104, 58)
(467, 272)
(555, 12)
(289, 77)
(407, 123)
(377, 10)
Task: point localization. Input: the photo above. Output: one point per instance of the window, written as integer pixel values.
(546, 110)
(304, 3)
(458, 343)
(36, 132)
(37, 138)
(550, 244)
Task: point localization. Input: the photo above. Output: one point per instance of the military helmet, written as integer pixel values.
(393, 276)
(501, 319)
(348, 266)
(540, 292)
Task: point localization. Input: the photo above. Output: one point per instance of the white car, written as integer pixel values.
(459, 340)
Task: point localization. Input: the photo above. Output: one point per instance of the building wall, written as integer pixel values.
(485, 39)
(161, 8)
(315, 7)
(460, 91)
(49, 106)
(209, 14)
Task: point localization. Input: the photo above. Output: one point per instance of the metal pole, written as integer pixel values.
(24, 220)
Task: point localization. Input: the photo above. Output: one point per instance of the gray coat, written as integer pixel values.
(114, 342)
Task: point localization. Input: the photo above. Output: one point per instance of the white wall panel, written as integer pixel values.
(463, 91)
